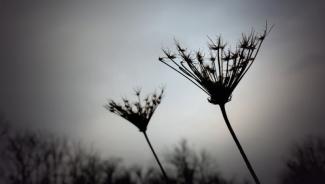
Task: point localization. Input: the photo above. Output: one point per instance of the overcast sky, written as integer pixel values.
(60, 61)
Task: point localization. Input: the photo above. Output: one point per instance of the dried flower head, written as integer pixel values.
(220, 72)
(139, 112)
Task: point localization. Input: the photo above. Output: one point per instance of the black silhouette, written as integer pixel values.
(40, 158)
(306, 164)
(220, 73)
(139, 114)
(35, 158)
(193, 168)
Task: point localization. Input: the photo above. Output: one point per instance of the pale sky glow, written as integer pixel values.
(61, 60)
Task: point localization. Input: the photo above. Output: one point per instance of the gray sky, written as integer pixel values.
(61, 60)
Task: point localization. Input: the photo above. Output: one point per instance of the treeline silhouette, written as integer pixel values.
(29, 157)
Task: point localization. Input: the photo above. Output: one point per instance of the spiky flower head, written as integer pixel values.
(138, 112)
(219, 72)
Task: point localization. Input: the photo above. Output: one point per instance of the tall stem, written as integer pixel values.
(249, 166)
(156, 157)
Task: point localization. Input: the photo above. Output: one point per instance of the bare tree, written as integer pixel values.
(87, 167)
(54, 155)
(21, 152)
(110, 168)
(306, 163)
(194, 168)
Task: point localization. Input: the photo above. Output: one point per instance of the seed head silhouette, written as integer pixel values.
(139, 114)
(219, 73)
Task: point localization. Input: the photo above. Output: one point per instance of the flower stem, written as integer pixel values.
(156, 157)
(249, 166)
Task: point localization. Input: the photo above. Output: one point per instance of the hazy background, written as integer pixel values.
(61, 60)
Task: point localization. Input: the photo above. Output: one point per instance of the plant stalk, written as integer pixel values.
(156, 157)
(249, 166)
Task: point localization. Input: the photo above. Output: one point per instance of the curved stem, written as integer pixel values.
(249, 166)
(156, 157)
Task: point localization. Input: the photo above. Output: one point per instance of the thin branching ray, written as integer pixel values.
(218, 72)
(139, 112)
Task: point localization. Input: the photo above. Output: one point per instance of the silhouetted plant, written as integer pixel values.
(219, 73)
(306, 163)
(139, 114)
